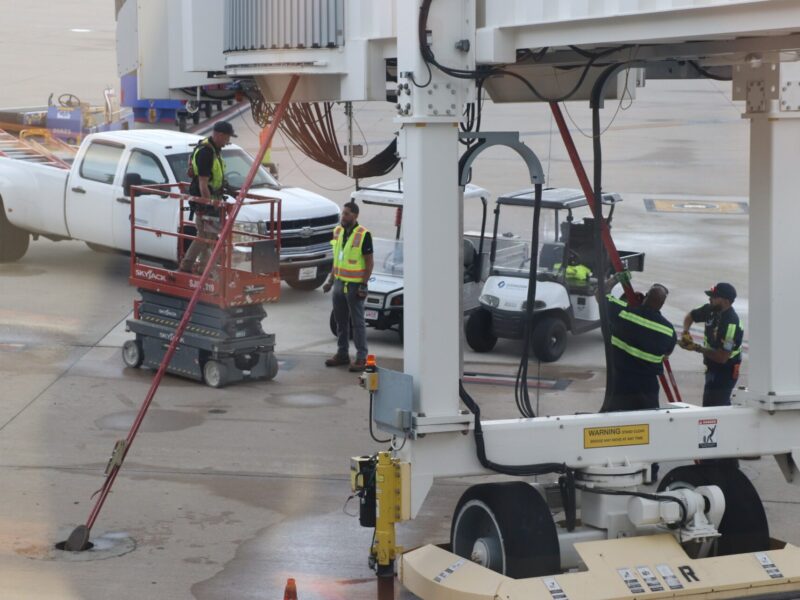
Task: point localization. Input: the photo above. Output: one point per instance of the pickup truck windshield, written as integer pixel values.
(237, 165)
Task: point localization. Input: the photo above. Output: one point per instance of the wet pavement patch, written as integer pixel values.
(305, 400)
(156, 420)
(106, 545)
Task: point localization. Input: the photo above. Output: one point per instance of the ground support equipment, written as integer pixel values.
(219, 346)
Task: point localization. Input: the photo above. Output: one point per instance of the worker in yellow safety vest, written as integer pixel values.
(352, 269)
(207, 171)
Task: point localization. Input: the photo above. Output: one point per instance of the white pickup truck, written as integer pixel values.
(86, 202)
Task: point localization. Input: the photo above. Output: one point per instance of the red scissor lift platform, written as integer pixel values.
(224, 341)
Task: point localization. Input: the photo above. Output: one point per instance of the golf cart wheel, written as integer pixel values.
(132, 354)
(506, 527)
(272, 366)
(549, 339)
(479, 331)
(215, 374)
(744, 526)
(335, 329)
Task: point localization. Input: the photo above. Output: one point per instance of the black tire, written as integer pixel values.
(307, 285)
(335, 329)
(744, 526)
(510, 526)
(549, 339)
(14, 241)
(132, 354)
(400, 326)
(479, 331)
(272, 366)
(215, 374)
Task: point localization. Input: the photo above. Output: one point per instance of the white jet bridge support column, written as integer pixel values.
(432, 216)
(772, 95)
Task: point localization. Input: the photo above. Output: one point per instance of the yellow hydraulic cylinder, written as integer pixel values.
(392, 507)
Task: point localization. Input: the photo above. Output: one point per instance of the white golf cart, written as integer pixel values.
(383, 308)
(566, 272)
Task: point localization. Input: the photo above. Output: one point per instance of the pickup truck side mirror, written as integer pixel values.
(130, 180)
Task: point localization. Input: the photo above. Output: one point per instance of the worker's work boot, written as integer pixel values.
(337, 360)
(358, 365)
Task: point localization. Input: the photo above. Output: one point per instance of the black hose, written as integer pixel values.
(596, 99)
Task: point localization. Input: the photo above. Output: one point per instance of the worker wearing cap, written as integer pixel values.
(207, 170)
(722, 347)
(641, 338)
(352, 268)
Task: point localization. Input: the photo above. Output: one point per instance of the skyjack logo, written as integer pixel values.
(151, 275)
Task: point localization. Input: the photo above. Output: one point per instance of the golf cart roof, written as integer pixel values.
(554, 198)
(390, 193)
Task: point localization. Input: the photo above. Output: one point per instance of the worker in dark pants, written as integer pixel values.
(641, 338)
(722, 348)
(207, 170)
(352, 268)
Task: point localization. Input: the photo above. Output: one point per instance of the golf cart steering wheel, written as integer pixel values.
(69, 100)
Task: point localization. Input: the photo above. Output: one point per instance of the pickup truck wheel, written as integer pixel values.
(13, 240)
(307, 285)
(479, 331)
(335, 329)
(549, 339)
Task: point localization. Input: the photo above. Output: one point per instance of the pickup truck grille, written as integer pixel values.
(331, 220)
(292, 241)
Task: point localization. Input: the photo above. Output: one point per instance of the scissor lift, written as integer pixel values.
(224, 341)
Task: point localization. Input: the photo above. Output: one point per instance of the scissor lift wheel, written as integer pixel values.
(215, 374)
(132, 354)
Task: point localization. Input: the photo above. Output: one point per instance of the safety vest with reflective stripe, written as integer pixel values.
(217, 167)
(348, 261)
(625, 315)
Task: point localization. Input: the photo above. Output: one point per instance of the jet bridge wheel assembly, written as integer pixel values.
(506, 527)
(744, 526)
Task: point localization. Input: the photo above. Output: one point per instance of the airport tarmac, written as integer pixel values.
(227, 493)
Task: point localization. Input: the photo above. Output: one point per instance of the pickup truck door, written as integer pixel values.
(90, 193)
(151, 210)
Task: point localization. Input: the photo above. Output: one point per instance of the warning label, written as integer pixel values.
(707, 433)
(623, 435)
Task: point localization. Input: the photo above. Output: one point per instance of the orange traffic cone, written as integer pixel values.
(290, 592)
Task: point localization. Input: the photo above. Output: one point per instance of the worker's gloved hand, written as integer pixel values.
(326, 287)
(623, 277)
(362, 291)
(687, 343)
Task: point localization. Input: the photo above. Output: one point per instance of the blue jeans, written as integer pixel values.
(720, 382)
(348, 310)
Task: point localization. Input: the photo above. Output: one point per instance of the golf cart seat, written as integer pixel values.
(550, 255)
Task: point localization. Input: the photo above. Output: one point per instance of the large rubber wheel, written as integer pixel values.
(508, 528)
(549, 339)
(307, 285)
(13, 240)
(334, 328)
(215, 374)
(744, 526)
(479, 331)
(272, 366)
(132, 354)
